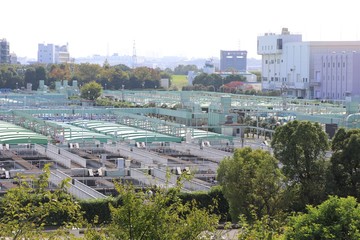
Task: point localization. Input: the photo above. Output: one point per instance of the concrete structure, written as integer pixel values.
(209, 67)
(13, 58)
(4, 51)
(234, 61)
(51, 53)
(315, 69)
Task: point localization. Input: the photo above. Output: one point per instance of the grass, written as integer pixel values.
(179, 81)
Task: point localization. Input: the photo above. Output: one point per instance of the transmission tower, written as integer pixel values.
(134, 58)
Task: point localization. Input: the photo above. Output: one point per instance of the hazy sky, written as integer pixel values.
(189, 28)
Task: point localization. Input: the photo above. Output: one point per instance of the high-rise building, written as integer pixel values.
(51, 53)
(233, 61)
(4, 51)
(314, 69)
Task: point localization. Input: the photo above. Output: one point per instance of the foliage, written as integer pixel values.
(234, 77)
(264, 228)
(207, 199)
(91, 90)
(251, 181)
(336, 218)
(114, 103)
(97, 209)
(184, 69)
(300, 147)
(157, 214)
(209, 79)
(25, 210)
(345, 163)
(59, 72)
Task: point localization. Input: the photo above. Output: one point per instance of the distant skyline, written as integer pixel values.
(186, 28)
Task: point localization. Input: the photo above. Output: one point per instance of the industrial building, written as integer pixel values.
(313, 69)
(95, 146)
(233, 61)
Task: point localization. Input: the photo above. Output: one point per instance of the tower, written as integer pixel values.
(134, 59)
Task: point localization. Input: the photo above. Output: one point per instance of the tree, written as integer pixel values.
(86, 72)
(184, 69)
(91, 90)
(25, 210)
(157, 214)
(345, 163)
(336, 218)
(59, 72)
(300, 147)
(251, 181)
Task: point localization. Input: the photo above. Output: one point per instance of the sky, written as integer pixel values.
(186, 28)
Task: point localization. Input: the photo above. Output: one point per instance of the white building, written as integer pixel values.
(51, 53)
(294, 66)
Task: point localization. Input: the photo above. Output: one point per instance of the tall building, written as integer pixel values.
(4, 51)
(51, 53)
(314, 69)
(231, 61)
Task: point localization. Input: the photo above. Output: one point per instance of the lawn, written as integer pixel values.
(179, 81)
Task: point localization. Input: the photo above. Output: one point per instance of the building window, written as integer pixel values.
(343, 64)
(338, 65)
(328, 64)
(266, 62)
(324, 65)
(333, 65)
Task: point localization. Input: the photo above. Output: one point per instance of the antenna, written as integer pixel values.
(134, 59)
(107, 50)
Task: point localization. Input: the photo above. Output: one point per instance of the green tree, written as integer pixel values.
(251, 181)
(86, 72)
(184, 69)
(300, 147)
(91, 90)
(157, 214)
(26, 209)
(336, 218)
(345, 163)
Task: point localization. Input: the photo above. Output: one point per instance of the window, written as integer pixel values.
(333, 65)
(343, 64)
(279, 44)
(328, 64)
(266, 62)
(338, 64)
